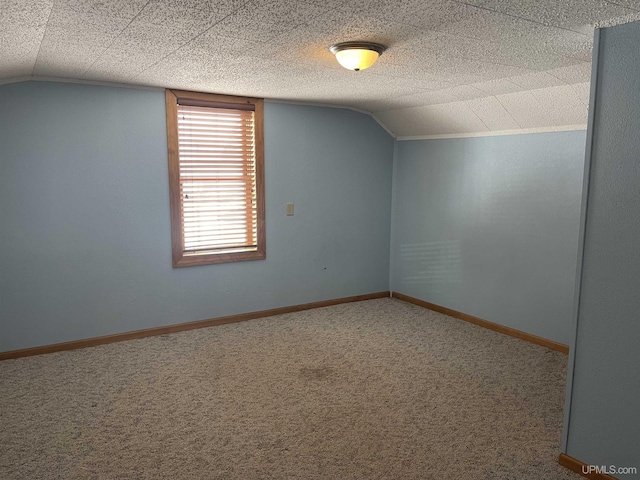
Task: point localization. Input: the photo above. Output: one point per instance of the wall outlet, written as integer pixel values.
(289, 209)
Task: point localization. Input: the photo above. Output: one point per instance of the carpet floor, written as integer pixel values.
(371, 390)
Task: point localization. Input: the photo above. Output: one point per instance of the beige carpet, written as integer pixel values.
(371, 390)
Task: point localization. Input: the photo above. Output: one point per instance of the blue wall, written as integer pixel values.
(486, 226)
(85, 247)
(489, 227)
(604, 405)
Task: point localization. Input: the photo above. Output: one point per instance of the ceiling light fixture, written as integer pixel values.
(357, 55)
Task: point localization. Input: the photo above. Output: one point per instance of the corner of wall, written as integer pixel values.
(581, 239)
(383, 125)
(392, 238)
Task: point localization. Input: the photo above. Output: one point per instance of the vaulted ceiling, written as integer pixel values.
(452, 67)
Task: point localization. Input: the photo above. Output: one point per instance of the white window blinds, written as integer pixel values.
(217, 167)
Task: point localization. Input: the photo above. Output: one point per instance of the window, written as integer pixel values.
(216, 178)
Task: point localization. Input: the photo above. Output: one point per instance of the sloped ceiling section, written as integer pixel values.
(452, 67)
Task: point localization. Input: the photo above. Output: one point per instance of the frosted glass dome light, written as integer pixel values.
(357, 56)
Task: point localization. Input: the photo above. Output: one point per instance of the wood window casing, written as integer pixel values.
(242, 155)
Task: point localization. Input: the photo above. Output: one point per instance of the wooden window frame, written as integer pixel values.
(180, 257)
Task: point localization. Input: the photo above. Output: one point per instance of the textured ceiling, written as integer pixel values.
(452, 67)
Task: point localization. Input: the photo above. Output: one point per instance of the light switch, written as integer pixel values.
(289, 209)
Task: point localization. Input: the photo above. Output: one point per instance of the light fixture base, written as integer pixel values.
(376, 47)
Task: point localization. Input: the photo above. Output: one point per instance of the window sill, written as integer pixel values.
(194, 259)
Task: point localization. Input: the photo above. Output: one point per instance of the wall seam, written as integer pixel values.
(392, 236)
